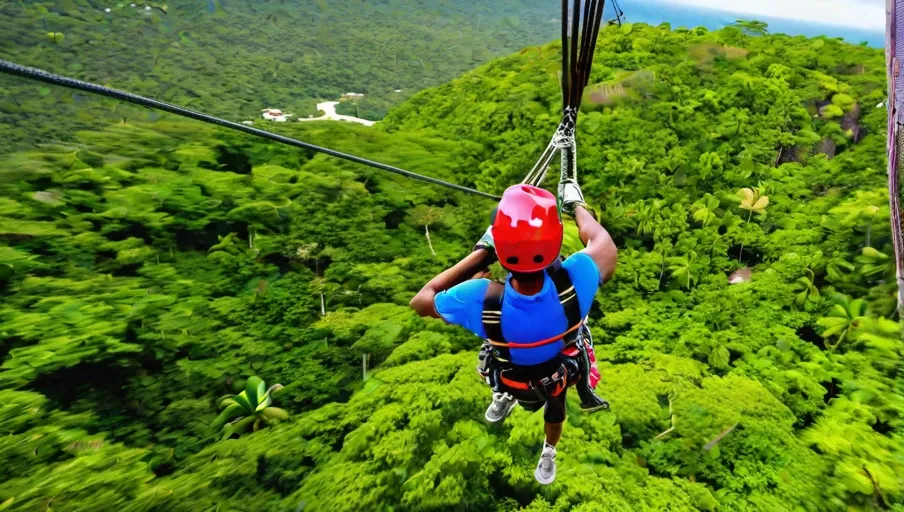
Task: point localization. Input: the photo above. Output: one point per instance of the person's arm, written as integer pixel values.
(597, 242)
(422, 303)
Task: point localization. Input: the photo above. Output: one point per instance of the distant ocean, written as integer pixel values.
(654, 13)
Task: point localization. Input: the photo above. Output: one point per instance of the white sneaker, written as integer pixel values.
(502, 406)
(546, 468)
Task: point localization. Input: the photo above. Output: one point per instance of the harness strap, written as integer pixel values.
(555, 383)
(492, 320)
(552, 385)
(514, 384)
(536, 344)
(568, 296)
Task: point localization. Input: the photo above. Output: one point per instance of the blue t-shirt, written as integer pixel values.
(525, 318)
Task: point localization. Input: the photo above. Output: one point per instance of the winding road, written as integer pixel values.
(329, 109)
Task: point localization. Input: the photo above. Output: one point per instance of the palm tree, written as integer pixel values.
(843, 318)
(753, 202)
(680, 269)
(705, 209)
(226, 246)
(710, 165)
(857, 214)
(319, 285)
(646, 216)
(616, 216)
(427, 215)
(751, 27)
(838, 269)
(250, 408)
(808, 288)
(874, 263)
(663, 248)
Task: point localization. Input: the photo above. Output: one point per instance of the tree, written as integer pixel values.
(875, 264)
(427, 215)
(838, 269)
(808, 289)
(751, 27)
(122, 330)
(249, 409)
(844, 316)
(705, 209)
(861, 213)
(753, 202)
(681, 269)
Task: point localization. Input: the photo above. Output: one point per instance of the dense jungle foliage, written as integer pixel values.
(151, 268)
(233, 58)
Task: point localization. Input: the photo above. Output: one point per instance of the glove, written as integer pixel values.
(486, 241)
(570, 196)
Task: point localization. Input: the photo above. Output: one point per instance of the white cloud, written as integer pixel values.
(866, 14)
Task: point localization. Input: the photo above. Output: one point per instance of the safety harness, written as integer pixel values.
(492, 314)
(495, 358)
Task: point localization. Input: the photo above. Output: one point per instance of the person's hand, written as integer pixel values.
(570, 196)
(486, 241)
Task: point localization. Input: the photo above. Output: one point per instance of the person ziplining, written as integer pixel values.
(537, 343)
(532, 307)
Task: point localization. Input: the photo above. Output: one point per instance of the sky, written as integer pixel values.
(863, 14)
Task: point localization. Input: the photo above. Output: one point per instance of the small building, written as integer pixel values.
(276, 115)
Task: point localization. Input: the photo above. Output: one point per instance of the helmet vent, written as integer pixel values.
(538, 258)
(512, 260)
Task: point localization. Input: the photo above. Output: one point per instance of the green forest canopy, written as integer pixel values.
(154, 267)
(232, 58)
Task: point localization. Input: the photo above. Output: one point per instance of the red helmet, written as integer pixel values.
(527, 231)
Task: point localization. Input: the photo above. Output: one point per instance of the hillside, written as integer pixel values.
(150, 268)
(233, 58)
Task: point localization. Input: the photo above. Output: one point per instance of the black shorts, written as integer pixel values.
(554, 407)
(554, 410)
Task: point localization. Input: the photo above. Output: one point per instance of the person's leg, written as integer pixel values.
(553, 433)
(554, 416)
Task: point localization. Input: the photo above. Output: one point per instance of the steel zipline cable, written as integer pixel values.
(11, 68)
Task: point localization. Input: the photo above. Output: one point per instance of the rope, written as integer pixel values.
(577, 60)
(11, 68)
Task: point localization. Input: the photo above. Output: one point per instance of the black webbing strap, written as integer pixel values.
(568, 297)
(492, 319)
